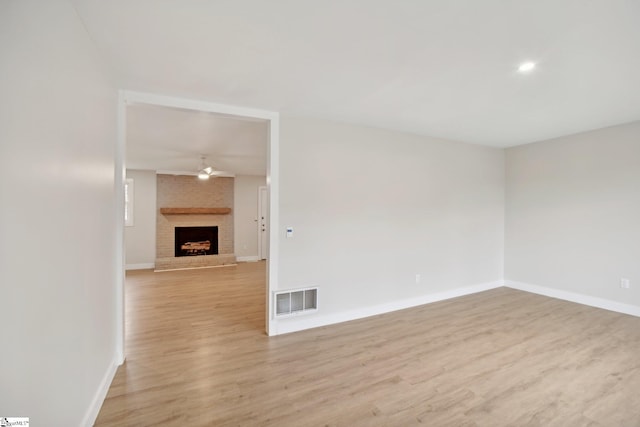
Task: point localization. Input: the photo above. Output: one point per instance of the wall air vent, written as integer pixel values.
(299, 301)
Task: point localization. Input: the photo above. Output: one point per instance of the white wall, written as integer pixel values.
(57, 215)
(573, 213)
(140, 239)
(245, 217)
(372, 208)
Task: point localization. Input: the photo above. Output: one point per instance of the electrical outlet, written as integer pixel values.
(418, 278)
(625, 283)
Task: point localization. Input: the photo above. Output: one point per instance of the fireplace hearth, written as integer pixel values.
(195, 241)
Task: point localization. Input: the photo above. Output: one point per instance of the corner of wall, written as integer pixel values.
(91, 415)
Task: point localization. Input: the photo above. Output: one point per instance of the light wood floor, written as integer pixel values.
(197, 356)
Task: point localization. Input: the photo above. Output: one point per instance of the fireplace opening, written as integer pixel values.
(194, 241)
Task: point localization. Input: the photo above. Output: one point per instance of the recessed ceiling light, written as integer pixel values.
(526, 67)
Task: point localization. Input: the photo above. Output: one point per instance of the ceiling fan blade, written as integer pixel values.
(220, 173)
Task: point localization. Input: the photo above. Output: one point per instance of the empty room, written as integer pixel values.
(356, 213)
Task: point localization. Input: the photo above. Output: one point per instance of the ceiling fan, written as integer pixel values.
(207, 171)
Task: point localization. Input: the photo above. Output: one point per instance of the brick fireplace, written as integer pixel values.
(187, 202)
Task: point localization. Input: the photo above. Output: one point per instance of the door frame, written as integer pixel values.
(126, 97)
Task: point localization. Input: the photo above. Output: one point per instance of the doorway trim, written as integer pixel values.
(126, 97)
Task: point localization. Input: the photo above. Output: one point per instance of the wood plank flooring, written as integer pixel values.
(197, 356)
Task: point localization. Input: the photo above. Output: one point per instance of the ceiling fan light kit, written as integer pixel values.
(205, 172)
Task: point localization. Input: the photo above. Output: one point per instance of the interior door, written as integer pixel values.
(263, 222)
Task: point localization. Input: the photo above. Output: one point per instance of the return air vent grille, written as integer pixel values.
(296, 302)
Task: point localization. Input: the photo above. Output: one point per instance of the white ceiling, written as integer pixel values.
(443, 68)
(171, 139)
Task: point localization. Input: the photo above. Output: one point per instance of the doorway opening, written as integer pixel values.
(270, 235)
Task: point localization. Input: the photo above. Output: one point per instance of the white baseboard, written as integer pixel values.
(252, 258)
(606, 304)
(96, 403)
(140, 266)
(284, 326)
(294, 324)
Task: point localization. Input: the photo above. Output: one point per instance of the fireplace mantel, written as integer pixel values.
(195, 211)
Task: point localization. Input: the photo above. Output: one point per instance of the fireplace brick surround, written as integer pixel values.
(178, 191)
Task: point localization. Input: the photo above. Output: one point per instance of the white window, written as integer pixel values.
(128, 202)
